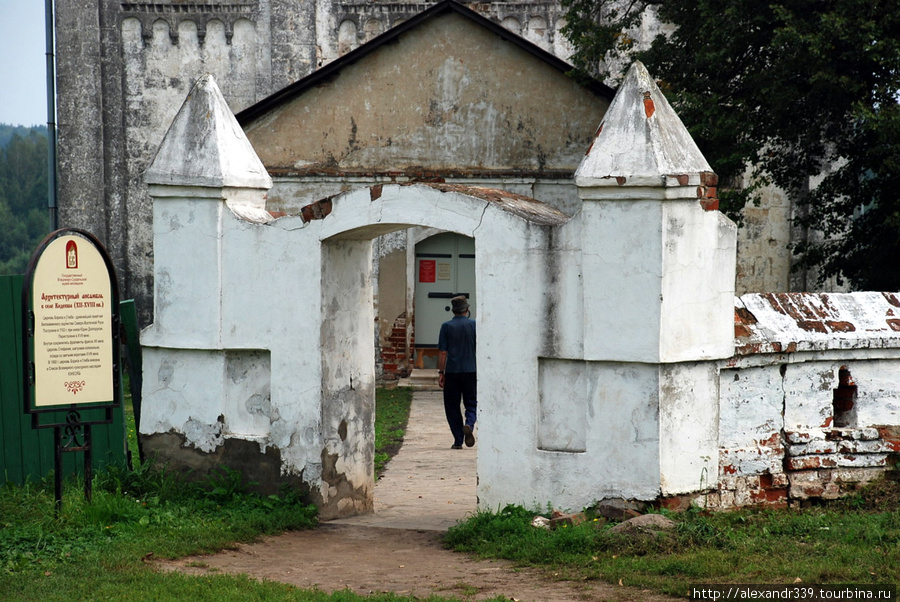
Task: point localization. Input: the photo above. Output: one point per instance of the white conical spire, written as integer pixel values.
(641, 140)
(205, 146)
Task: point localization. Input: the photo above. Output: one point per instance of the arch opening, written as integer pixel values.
(357, 277)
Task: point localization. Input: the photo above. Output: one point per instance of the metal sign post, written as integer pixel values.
(70, 301)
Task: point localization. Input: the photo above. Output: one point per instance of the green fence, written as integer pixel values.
(27, 453)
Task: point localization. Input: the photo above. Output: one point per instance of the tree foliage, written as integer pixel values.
(803, 90)
(23, 199)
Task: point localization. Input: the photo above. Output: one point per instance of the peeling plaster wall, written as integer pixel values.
(301, 355)
(697, 283)
(348, 377)
(672, 299)
(178, 405)
(778, 441)
(688, 427)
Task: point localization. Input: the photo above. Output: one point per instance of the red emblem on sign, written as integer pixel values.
(71, 255)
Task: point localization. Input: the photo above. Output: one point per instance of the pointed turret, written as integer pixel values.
(658, 269)
(205, 146)
(204, 164)
(641, 141)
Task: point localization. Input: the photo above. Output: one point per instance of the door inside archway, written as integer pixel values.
(445, 268)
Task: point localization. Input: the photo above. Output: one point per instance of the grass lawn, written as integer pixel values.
(391, 416)
(100, 551)
(854, 541)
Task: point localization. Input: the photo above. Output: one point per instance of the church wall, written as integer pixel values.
(123, 67)
(432, 105)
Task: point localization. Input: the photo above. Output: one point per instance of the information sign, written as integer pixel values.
(72, 303)
(70, 300)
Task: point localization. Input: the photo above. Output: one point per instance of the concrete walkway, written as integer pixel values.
(427, 485)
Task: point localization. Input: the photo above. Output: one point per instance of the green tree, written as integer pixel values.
(23, 200)
(798, 89)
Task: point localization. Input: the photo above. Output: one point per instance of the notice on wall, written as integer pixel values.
(427, 269)
(72, 301)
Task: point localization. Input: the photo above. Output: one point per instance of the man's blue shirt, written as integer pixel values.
(457, 338)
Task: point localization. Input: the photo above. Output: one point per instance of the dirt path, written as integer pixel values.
(427, 488)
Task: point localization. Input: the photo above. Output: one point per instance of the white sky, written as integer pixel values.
(23, 84)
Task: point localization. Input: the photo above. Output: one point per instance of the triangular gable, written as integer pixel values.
(390, 36)
(444, 92)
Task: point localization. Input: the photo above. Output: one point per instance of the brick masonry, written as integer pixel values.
(800, 466)
(395, 351)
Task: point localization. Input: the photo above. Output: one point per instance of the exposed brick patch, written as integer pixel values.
(396, 356)
(709, 204)
(707, 192)
(840, 326)
(829, 484)
(769, 489)
(649, 107)
(891, 437)
(777, 498)
(892, 299)
(375, 192)
(677, 503)
(828, 464)
(560, 519)
(708, 178)
(318, 210)
(812, 326)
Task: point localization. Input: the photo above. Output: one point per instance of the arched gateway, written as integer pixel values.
(261, 353)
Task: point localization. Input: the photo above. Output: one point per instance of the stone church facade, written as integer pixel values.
(125, 67)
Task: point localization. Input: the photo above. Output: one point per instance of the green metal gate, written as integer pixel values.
(27, 453)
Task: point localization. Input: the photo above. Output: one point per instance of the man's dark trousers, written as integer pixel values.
(458, 384)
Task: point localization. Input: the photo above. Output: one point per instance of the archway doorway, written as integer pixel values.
(349, 371)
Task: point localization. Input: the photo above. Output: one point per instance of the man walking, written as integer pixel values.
(456, 372)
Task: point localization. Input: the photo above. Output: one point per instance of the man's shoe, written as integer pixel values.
(470, 437)
(456, 447)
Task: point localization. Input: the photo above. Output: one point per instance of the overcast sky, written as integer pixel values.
(23, 96)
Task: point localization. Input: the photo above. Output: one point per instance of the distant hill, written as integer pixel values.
(24, 218)
(7, 131)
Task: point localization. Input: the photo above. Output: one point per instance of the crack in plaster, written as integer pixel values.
(481, 218)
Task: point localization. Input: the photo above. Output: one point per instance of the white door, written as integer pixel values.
(445, 268)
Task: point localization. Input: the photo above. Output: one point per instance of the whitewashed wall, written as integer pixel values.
(606, 351)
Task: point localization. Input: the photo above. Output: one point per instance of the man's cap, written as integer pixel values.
(460, 304)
